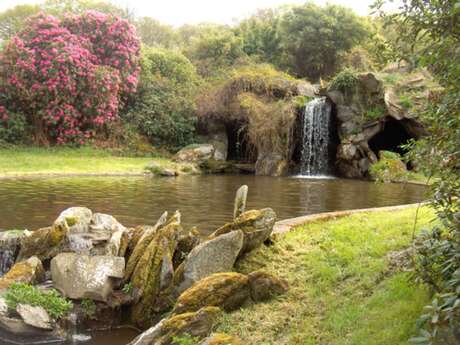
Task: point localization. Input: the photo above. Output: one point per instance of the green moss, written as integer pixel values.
(50, 300)
(344, 80)
(342, 289)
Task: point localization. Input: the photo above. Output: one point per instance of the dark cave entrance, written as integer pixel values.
(239, 149)
(393, 135)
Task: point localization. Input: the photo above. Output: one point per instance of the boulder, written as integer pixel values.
(195, 153)
(35, 316)
(47, 242)
(306, 89)
(271, 164)
(221, 339)
(83, 276)
(152, 273)
(264, 286)
(225, 290)
(213, 256)
(196, 324)
(105, 222)
(158, 170)
(240, 201)
(29, 271)
(257, 226)
(82, 218)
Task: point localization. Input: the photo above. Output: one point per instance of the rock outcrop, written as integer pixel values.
(256, 225)
(213, 256)
(29, 271)
(195, 324)
(81, 276)
(227, 291)
(195, 153)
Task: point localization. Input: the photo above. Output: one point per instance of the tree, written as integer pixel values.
(313, 37)
(12, 20)
(68, 77)
(155, 34)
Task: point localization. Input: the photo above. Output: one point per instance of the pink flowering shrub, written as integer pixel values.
(63, 78)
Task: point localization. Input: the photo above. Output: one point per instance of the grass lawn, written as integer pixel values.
(343, 290)
(30, 161)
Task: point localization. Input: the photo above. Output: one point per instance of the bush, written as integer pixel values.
(164, 108)
(344, 80)
(51, 300)
(68, 77)
(12, 126)
(390, 168)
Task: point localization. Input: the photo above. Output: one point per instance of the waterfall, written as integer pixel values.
(316, 124)
(9, 246)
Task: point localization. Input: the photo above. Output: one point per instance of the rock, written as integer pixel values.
(9, 248)
(394, 108)
(195, 153)
(158, 170)
(152, 273)
(213, 256)
(257, 226)
(83, 276)
(225, 290)
(105, 222)
(306, 89)
(29, 271)
(197, 325)
(81, 219)
(271, 164)
(264, 286)
(185, 245)
(240, 201)
(115, 245)
(35, 316)
(3, 306)
(45, 243)
(221, 339)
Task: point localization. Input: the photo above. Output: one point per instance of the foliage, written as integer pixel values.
(12, 126)
(344, 80)
(128, 288)
(314, 37)
(164, 106)
(155, 34)
(375, 112)
(389, 168)
(405, 101)
(344, 286)
(89, 307)
(12, 20)
(433, 28)
(185, 339)
(51, 300)
(68, 77)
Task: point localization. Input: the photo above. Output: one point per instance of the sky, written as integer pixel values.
(178, 12)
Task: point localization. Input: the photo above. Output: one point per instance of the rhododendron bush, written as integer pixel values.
(69, 77)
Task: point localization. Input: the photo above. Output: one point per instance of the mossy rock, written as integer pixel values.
(257, 226)
(153, 274)
(221, 339)
(45, 243)
(227, 290)
(264, 286)
(29, 271)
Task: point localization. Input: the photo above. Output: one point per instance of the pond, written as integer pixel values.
(205, 202)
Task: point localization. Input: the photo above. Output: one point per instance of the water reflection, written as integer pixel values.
(205, 201)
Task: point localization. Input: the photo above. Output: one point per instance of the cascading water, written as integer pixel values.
(9, 245)
(316, 123)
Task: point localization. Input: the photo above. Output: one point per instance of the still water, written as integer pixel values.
(205, 201)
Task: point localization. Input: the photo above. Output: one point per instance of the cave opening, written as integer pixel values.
(239, 149)
(393, 135)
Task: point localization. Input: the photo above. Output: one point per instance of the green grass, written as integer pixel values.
(85, 160)
(50, 300)
(342, 288)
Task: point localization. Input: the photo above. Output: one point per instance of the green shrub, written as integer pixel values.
(375, 113)
(405, 101)
(185, 339)
(50, 300)
(391, 78)
(12, 128)
(344, 80)
(302, 101)
(389, 168)
(128, 288)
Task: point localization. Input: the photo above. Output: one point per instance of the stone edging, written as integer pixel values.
(287, 225)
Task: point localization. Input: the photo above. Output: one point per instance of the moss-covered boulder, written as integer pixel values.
(225, 290)
(221, 339)
(256, 225)
(29, 271)
(264, 286)
(152, 274)
(47, 242)
(195, 324)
